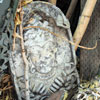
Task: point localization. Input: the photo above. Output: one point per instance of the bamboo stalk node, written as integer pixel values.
(84, 21)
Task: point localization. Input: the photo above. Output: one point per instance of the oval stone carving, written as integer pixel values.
(52, 64)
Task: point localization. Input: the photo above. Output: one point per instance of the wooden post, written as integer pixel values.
(71, 8)
(53, 1)
(83, 21)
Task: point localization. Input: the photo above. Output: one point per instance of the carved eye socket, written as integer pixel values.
(64, 24)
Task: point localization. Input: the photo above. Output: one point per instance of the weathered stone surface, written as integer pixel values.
(51, 59)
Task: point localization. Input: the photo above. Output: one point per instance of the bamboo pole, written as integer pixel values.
(71, 8)
(83, 22)
(53, 1)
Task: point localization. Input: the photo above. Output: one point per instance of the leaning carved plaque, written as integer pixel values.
(52, 60)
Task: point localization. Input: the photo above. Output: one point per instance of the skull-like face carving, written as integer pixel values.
(45, 52)
(41, 54)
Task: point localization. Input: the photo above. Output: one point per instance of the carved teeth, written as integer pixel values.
(58, 82)
(42, 90)
(68, 88)
(52, 89)
(55, 85)
(40, 87)
(60, 79)
(66, 84)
